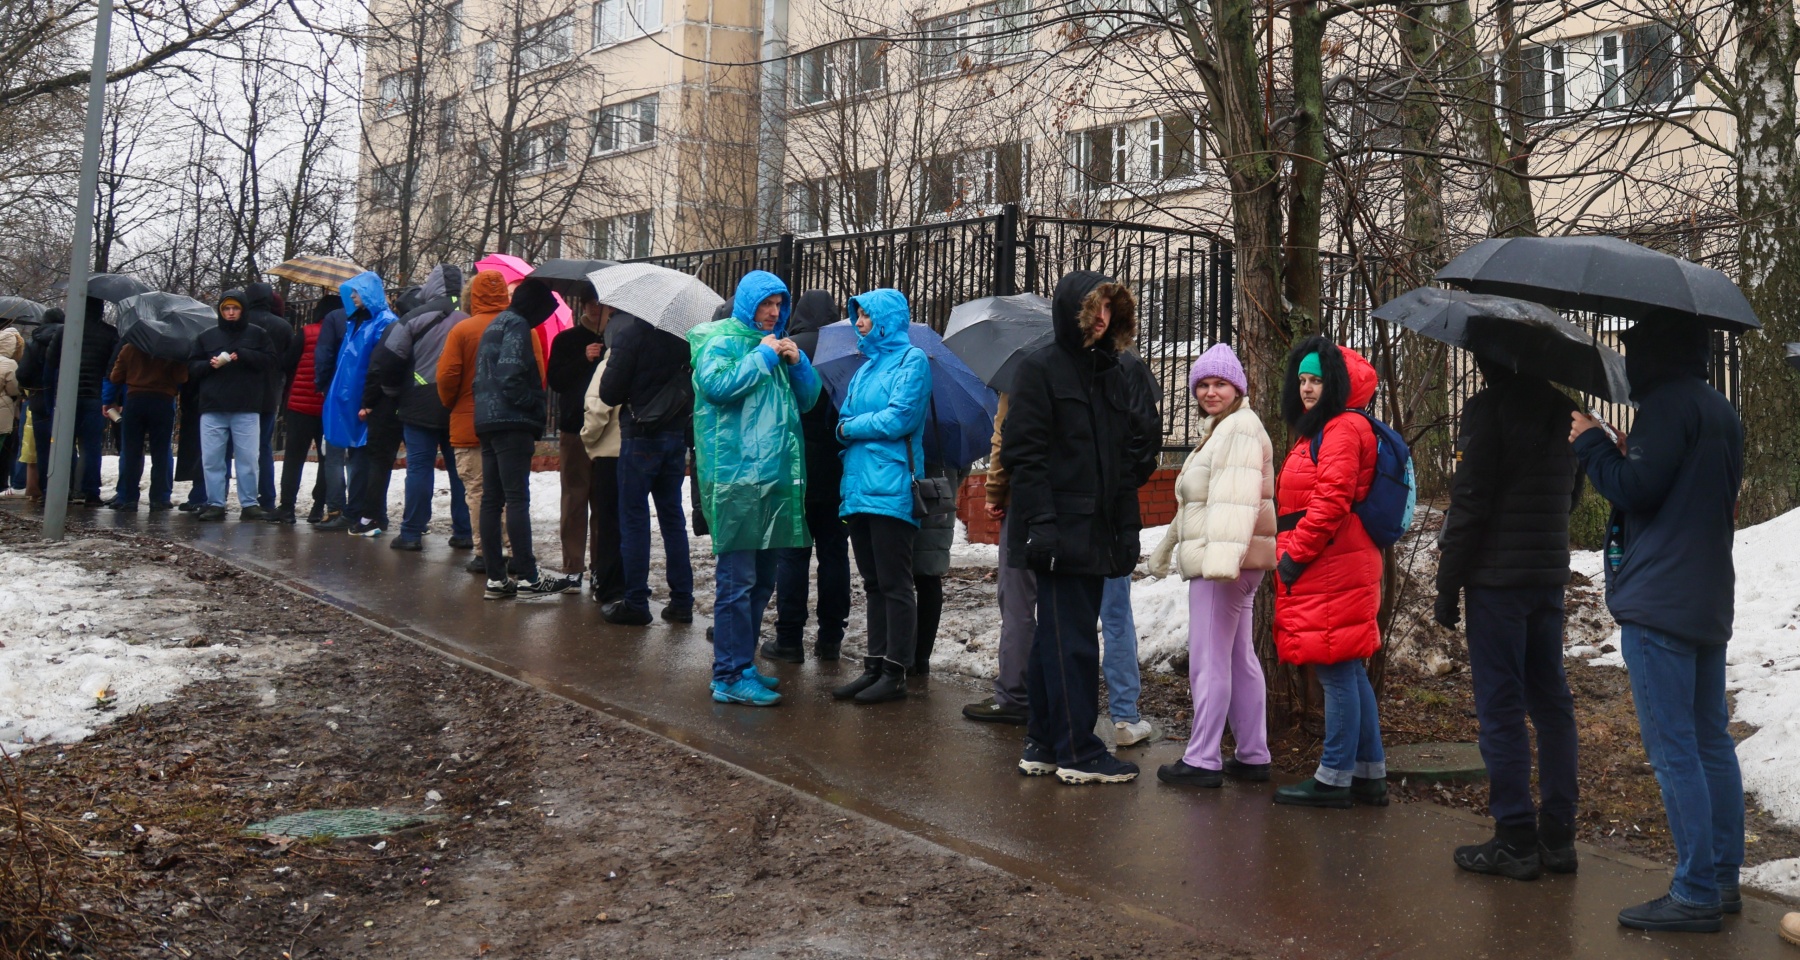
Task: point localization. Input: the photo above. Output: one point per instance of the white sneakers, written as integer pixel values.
(1131, 734)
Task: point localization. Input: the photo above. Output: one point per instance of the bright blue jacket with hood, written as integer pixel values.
(749, 454)
(882, 420)
(344, 398)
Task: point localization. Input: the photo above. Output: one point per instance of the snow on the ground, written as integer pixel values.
(1780, 877)
(69, 637)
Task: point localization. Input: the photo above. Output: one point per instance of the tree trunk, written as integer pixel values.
(1423, 362)
(1506, 195)
(1768, 254)
(1306, 185)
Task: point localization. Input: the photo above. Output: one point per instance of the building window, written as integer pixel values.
(1642, 68)
(387, 184)
(1174, 147)
(544, 147)
(620, 238)
(395, 92)
(976, 37)
(546, 43)
(446, 123)
(1097, 158)
(838, 204)
(487, 62)
(842, 70)
(616, 21)
(453, 28)
(974, 179)
(440, 211)
(1099, 20)
(621, 126)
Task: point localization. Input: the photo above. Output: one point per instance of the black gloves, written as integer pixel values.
(1445, 611)
(1289, 570)
(1040, 546)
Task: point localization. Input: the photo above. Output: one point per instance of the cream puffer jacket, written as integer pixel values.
(1225, 503)
(600, 421)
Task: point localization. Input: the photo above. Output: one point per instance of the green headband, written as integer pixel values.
(1310, 364)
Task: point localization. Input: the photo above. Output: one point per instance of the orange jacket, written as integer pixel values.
(456, 367)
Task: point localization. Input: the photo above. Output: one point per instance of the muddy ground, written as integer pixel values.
(561, 832)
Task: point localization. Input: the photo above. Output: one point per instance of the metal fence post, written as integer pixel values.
(784, 259)
(1006, 252)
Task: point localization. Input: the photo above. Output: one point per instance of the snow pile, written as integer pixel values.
(1763, 662)
(69, 644)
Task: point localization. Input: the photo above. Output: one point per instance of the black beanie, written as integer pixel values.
(533, 301)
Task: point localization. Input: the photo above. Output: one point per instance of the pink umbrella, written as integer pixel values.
(514, 270)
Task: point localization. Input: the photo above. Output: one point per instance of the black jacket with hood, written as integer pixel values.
(1675, 493)
(1517, 480)
(1074, 441)
(403, 366)
(237, 387)
(509, 391)
(259, 309)
(813, 311)
(641, 360)
(98, 341)
(569, 372)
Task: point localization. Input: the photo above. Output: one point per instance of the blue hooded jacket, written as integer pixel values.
(882, 420)
(344, 398)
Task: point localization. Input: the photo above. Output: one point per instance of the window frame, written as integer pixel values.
(453, 27)
(975, 38)
(396, 103)
(633, 115)
(543, 148)
(531, 60)
(641, 225)
(641, 21)
(487, 63)
(1622, 97)
(824, 62)
(387, 185)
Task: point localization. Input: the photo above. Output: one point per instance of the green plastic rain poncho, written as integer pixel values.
(751, 458)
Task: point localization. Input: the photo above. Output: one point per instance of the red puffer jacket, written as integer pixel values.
(304, 397)
(1328, 615)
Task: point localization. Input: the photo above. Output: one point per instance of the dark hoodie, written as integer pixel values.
(641, 361)
(813, 311)
(259, 309)
(403, 367)
(1073, 441)
(509, 388)
(570, 371)
(1674, 494)
(99, 341)
(238, 386)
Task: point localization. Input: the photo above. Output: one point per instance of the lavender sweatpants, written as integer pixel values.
(1223, 672)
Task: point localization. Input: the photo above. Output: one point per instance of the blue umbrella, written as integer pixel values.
(961, 421)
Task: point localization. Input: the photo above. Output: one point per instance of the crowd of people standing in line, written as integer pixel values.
(783, 475)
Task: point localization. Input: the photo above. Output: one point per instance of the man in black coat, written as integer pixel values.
(647, 376)
(260, 310)
(574, 356)
(390, 380)
(814, 310)
(1074, 442)
(1505, 548)
(229, 368)
(98, 341)
(1671, 586)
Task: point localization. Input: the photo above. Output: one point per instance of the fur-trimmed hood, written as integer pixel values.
(1075, 309)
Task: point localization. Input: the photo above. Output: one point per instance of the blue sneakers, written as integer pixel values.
(751, 673)
(745, 690)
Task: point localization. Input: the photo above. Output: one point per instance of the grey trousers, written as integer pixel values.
(1018, 624)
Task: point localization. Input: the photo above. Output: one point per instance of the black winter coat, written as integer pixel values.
(1517, 479)
(569, 372)
(237, 387)
(641, 360)
(509, 392)
(814, 310)
(1675, 496)
(98, 341)
(1074, 442)
(259, 309)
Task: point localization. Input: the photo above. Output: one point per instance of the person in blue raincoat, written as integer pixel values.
(882, 423)
(751, 384)
(367, 317)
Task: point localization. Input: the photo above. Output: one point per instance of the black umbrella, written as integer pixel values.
(1602, 274)
(1794, 355)
(569, 277)
(993, 335)
(1528, 337)
(19, 308)
(111, 287)
(164, 325)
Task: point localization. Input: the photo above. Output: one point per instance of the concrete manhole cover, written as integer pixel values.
(1436, 761)
(338, 824)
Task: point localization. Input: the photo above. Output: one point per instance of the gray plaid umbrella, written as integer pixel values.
(164, 325)
(1528, 337)
(1793, 351)
(19, 308)
(666, 299)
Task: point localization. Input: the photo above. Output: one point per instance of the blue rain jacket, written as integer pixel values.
(344, 398)
(882, 420)
(749, 455)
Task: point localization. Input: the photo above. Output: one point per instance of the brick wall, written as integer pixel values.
(1156, 504)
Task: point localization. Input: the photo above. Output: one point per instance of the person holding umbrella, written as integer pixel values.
(146, 417)
(487, 297)
(229, 368)
(574, 356)
(1670, 584)
(1504, 551)
(98, 341)
(881, 423)
(751, 384)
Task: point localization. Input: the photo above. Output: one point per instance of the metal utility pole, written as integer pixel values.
(62, 432)
(771, 133)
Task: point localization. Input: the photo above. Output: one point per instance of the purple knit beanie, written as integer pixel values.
(1219, 361)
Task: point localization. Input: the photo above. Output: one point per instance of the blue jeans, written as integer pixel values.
(1516, 667)
(1679, 688)
(331, 464)
(1119, 653)
(148, 419)
(90, 437)
(240, 431)
(1352, 726)
(265, 462)
(653, 467)
(422, 449)
(743, 580)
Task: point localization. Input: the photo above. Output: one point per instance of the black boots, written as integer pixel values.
(871, 673)
(891, 686)
(1556, 845)
(1512, 853)
(827, 649)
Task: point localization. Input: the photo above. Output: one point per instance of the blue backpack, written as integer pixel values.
(1387, 511)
